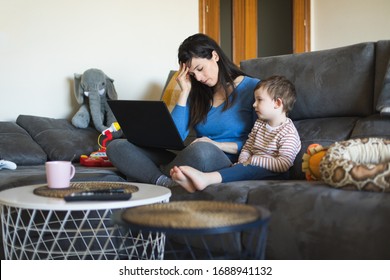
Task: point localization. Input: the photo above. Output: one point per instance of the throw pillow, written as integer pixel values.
(171, 91)
(59, 138)
(16, 145)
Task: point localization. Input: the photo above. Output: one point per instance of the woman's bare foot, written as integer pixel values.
(200, 180)
(178, 176)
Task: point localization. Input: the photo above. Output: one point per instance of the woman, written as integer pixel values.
(215, 101)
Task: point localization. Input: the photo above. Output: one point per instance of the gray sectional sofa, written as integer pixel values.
(340, 92)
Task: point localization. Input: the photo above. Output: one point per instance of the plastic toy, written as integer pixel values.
(99, 158)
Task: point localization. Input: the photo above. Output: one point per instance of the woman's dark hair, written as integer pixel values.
(201, 96)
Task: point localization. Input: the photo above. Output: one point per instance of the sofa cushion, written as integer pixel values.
(329, 83)
(59, 138)
(313, 221)
(372, 126)
(16, 145)
(219, 192)
(323, 131)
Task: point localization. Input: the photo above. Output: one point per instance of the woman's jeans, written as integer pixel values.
(146, 165)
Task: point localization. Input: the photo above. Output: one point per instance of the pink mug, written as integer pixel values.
(59, 173)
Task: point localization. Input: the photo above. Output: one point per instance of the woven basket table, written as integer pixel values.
(204, 229)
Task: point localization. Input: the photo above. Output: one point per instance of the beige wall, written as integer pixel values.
(44, 42)
(338, 23)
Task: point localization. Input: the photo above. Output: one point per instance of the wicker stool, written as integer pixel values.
(201, 229)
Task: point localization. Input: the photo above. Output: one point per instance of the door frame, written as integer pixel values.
(245, 26)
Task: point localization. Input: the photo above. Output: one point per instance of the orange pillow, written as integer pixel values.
(171, 92)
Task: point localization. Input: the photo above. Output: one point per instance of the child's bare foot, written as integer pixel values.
(178, 176)
(200, 180)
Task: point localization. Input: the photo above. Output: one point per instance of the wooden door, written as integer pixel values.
(244, 21)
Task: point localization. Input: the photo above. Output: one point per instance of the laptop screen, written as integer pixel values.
(147, 123)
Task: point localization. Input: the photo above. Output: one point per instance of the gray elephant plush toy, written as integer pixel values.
(92, 90)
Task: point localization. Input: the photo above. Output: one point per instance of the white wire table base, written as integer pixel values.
(78, 235)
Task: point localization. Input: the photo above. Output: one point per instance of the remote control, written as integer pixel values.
(96, 195)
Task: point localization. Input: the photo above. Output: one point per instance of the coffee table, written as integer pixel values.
(39, 227)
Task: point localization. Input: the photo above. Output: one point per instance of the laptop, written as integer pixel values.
(147, 123)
